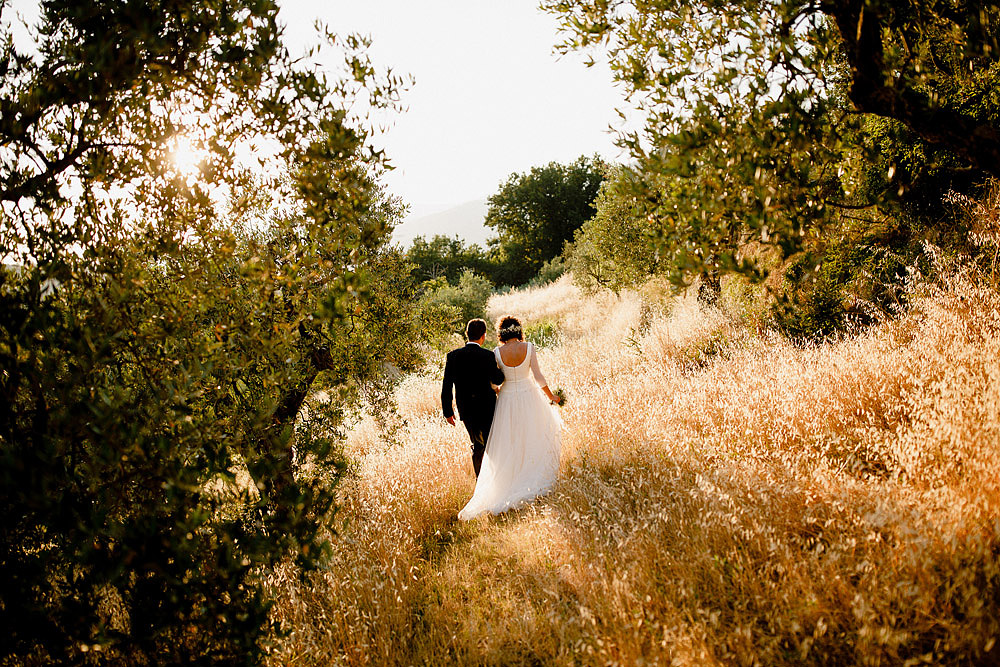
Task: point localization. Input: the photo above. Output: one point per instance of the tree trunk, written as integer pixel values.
(874, 91)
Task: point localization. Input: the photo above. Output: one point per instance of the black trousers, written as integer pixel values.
(479, 431)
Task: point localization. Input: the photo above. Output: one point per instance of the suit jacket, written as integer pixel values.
(471, 370)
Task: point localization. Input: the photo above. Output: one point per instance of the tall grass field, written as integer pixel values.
(725, 498)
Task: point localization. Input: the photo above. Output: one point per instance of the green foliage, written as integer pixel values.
(614, 248)
(703, 351)
(751, 133)
(536, 213)
(457, 304)
(550, 271)
(852, 280)
(815, 312)
(560, 394)
(162, 330)
(392, 318)
(745, 300)
(387, 335)
(446, 257)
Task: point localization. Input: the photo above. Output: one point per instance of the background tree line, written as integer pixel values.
(534, 214)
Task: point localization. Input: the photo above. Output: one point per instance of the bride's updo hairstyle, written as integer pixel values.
(509, 329)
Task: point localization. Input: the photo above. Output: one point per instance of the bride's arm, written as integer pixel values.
(496, 376)
(539, 378)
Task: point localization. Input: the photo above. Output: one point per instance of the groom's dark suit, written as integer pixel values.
(471, 369)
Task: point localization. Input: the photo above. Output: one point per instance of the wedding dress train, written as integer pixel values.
(522, 450)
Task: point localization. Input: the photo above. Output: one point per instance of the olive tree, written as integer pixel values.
(162, 325)
(759, 114)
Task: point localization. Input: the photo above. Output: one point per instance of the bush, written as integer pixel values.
(551, 271)
(851, 281)
(815, 312)
(457, 304)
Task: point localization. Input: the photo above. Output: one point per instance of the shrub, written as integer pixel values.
(551, 271)
(851, 281)
(613, 249)
(458, 303)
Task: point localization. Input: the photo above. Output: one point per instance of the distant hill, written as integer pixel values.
(464, 221)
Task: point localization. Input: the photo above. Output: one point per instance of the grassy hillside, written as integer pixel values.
(725, 498)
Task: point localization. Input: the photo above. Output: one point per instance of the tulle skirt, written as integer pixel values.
(522, 451)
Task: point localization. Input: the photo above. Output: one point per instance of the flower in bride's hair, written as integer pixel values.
(509, 329)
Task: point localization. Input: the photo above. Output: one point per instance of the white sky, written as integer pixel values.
(491, 98)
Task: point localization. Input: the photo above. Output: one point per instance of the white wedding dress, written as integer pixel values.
(522, 450)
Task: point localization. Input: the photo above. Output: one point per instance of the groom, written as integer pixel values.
(472, 369)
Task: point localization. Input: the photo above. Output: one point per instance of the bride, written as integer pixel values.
(522, 450)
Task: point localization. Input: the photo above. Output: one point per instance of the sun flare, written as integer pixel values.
(187, 155)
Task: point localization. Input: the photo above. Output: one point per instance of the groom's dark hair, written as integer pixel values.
(475, 329)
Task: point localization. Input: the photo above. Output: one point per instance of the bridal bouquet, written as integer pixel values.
(560, 393)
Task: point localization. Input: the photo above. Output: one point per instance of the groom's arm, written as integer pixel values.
(446, 391)
(497, 374)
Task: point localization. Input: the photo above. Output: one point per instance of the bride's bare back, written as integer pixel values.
(513, 352)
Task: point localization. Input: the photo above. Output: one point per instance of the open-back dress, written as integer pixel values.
(522, 451)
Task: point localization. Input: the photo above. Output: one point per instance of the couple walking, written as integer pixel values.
(515, 434)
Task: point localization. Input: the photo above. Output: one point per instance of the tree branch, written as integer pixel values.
(860, 26)
(848, 207)
(14, 190)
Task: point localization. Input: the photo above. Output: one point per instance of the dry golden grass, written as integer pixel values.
(725, 498)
